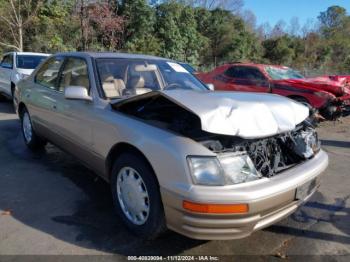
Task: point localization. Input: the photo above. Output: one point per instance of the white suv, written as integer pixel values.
(14, 67)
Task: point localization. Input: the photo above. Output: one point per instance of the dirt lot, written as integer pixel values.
(50, 204)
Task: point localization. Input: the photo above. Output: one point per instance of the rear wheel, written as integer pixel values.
(31, 139)
(136, 196)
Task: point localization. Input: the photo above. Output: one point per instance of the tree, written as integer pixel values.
(333, 17)
(250, 20)
(51, 31)
(108, 25)
(278, 51)
(140, 35)
(218, 27)
(279, 29)
(16, 15)
(177, 31)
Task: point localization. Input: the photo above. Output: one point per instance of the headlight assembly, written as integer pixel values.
(238, 168)
(206, 171)
(226, 169)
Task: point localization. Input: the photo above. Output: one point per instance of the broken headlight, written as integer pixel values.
(238, 168)
(227, 169)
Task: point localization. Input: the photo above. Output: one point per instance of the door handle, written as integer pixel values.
(54, 107)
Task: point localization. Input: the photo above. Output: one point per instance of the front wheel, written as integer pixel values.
(136, 196)
(31, 139)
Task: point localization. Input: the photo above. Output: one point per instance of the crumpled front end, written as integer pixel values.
(271, 155)
(336, 107)
(259, 179)
(289, 166)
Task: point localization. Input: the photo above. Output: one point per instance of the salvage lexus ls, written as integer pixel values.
(208, 165)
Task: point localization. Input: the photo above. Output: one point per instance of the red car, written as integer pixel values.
(330, 95)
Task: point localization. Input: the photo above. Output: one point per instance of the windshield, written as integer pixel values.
(28, 61)
(282, 73)
(120, 76)
(189, 68)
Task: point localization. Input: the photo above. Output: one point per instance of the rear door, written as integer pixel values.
(41, 100)
(6, 68)
(245, 79)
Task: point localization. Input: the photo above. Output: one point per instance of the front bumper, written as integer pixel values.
(344, 105)
(269, 200)
(336, 108)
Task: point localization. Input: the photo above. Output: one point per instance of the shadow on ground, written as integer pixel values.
(336, 214)
(38, 200)
(335, 143)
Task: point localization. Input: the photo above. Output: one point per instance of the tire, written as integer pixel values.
(150, 223)
(31, 139)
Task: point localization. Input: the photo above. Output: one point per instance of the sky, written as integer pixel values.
(272, 11)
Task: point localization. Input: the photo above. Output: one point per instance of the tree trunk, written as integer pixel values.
(20, 36)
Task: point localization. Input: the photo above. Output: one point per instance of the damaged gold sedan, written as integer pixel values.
(208, 165)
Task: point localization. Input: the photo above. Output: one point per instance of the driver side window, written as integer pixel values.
(245, 72)
(74, 73)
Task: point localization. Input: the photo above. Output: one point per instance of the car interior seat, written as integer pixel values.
(112, 87)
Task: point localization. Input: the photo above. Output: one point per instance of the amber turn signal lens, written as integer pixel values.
(215, 208)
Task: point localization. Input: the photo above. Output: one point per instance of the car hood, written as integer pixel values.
(322, 83)
(247, 115)
(25, 71)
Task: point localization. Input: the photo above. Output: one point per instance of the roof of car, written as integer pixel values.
(27, 53)
(110, 55)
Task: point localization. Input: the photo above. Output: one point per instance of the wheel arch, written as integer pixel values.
(119, 149)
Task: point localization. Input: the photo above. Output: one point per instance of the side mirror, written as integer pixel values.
(211, 87)
(77, 93)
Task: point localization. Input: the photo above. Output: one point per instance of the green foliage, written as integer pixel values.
(181, 31)
(54, 29)
(140, 35)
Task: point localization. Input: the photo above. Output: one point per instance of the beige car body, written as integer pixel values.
(95, 134)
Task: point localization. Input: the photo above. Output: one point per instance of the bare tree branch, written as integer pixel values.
(14, 10)
(7, 21)
(9, 45)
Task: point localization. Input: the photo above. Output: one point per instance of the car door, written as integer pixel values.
(6, 68)
(72, 119)
(40, 99)
(246, 79)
